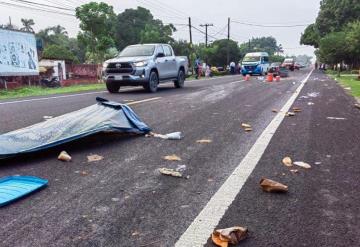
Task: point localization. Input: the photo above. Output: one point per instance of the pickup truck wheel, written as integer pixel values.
(180, 81)
(112, 87)
(152, 85)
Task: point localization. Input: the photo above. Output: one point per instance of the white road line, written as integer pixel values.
(201, 228)
(81, 94)
(143, 101)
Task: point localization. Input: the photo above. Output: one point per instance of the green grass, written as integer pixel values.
(351, 82)
(39, 91)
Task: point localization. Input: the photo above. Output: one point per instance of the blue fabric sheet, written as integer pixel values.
(103, 116)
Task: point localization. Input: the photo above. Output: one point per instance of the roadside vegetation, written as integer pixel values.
(40, 91)
(348, 81)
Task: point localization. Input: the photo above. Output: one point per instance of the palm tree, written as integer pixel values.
(27, 25)
(59, 30)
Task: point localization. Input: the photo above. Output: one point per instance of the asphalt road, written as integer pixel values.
(124, 201)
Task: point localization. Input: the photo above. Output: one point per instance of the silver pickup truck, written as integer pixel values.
(145, 65)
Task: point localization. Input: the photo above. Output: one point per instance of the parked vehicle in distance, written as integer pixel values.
(283, 72)
(145, 65)
(255, 63)
(297, 66)
(275, 69)
(289, 63)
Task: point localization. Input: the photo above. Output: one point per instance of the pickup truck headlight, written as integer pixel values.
(105, 64)
(140, 64)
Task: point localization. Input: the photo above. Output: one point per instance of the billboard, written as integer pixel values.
(18, 54)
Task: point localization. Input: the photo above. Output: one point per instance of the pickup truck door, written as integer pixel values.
(160, 63)
(170, 61)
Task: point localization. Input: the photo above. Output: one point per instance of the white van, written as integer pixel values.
(255, 63)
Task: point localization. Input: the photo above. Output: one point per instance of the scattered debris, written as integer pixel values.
(310, 103)
(94, 158)
(170, 136)
(313, 94)
(181, 168)
(357, 106)
(290, 114)
(47, 117)
(293, 83)
(275, 110)
(328, 156)
(115, 199)
(318, 163)
(170, 172)
(246, 127)
(172, 157)
(84, 173)
(64, 156)
(347, 88)
(232, 235)
(287, 161)
(135, 233)
(204, 141)
(269, 185)
(302, 164)
(336, 118)
(296, 109)
(15, 187)
(294, 170)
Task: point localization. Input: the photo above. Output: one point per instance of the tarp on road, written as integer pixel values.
(103, 116)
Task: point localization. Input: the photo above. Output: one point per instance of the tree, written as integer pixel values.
(27, 25)
(139, 26)
(58, 52)
(266, 44)
(310, 36)
(333, 48)
(353, 42)
(276, 58)
(156, 32)
(97, 22)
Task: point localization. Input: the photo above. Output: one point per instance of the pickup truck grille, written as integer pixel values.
(119, 68)
(251, 68)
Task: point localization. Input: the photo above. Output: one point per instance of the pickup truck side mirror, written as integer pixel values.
(160, 55)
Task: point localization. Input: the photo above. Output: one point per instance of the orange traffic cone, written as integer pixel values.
(270, 77)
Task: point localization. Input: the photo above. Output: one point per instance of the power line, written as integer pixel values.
(262, 25)
(41, 5)
(37, 9)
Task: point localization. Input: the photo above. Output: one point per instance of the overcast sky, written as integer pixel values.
(263, 12)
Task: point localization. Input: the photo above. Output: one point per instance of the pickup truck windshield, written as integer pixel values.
(138, 51)
(251, 59)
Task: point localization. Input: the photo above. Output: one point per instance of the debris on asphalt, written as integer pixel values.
(302, 164)
(296, 109)
(204, 141)
(232, 235)
(275, 110)
(317, 163)
(290, 114)
(115, 199)
(94, 158)
(15, 187)
(172, 157)
(269, 185)
(287, 161)
(294, 170)
(84, 173)
(357, 106)
(336, 118)
(101, 117)
(310, 103)
(64, 156)
(246, 127)
(170, 172)
(135, 233)
(170, 136)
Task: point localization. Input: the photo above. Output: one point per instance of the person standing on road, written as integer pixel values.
(232, 68)
(197, 67)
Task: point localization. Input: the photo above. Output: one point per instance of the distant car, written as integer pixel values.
(289, 63)
(283, 72)
(275, 69)
(297, 66)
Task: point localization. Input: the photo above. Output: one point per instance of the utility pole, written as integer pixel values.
(190, 31)
(228, 48)
(206, 31)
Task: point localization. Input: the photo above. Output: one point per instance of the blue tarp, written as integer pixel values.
(103, 116)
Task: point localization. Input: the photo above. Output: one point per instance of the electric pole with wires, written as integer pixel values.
(206, 32)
